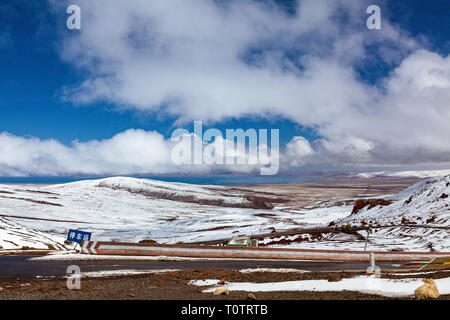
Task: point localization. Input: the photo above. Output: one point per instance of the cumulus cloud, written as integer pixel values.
(132, 152)
(211, 60)
(406, 124)
(297, 150)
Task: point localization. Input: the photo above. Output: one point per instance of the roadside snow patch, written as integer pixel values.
(369, 285)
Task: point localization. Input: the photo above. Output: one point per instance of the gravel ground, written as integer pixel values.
(174, 286)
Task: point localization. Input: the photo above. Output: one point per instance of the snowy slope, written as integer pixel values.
(418, 204)
(129, 209)
(417, 220)
(425, 206)
(14, 236)
(212, 195)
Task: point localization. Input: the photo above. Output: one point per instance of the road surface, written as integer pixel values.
(20, 266)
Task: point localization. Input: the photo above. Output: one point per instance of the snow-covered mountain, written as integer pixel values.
(426, 202)
(129, 209)
(416, 219)
(419, 216)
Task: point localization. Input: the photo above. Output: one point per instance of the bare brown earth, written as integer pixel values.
(174, 286)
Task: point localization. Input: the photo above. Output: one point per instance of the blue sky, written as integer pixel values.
(36, 70)
(33, 75)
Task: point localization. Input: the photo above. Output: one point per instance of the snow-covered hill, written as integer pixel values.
(129, 209)
(419, 216)
(417, 219)
(424, 202)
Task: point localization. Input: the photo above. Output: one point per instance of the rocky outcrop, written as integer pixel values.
(370, 203)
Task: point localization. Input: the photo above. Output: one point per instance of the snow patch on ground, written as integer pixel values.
(126, 272)
(277, 270)
(364, 284)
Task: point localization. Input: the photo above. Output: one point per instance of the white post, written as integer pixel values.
(372, 259)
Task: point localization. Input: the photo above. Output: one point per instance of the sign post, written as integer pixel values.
(78, 236)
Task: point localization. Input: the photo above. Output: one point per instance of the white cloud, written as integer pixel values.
(132, 151)
(209, 60)
(408, 123)
(296, 151)
(128, 153)
(191, 57)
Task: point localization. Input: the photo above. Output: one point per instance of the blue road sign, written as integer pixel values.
(78, 236)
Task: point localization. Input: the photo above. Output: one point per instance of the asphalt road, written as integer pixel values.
(21, 266)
